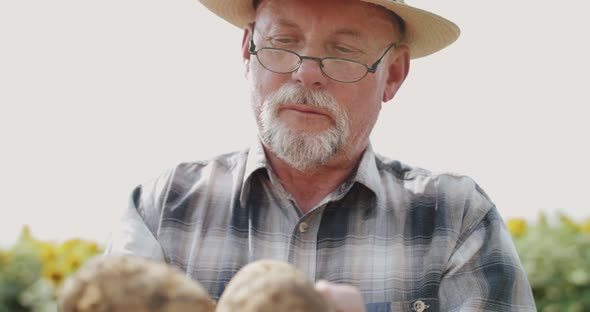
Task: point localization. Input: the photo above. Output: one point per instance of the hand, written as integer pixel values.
(344, 297)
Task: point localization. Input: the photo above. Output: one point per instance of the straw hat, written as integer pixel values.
(426, 32)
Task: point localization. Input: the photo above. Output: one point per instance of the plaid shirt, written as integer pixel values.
(408, 239)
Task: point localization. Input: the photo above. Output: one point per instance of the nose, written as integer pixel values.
(310, 74)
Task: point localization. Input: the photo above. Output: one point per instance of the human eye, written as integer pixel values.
(346, 51)
(283, 41)
(342, 49)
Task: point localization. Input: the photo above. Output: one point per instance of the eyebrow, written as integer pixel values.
(349, 32)
(285, 23)
(281, 22)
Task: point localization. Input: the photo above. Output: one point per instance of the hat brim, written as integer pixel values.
(426, 32)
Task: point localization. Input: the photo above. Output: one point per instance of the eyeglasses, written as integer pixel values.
(283, 61)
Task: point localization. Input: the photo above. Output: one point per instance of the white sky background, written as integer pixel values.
(99, 96)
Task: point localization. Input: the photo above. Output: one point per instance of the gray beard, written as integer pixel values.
(301, 150)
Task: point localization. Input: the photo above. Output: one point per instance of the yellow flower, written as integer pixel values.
(92, 248)
(73, 262)
(585, 227)
(74, 259)
(47, 252)
(71, 244)
(55, 272)
(516, 226)
(5, 257)
(80, 248)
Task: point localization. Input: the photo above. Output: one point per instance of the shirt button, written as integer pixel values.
(420, 306)
(303, 227)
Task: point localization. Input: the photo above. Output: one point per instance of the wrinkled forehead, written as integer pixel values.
(360, 13)
(258, 3)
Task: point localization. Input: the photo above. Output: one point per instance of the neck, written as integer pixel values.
(309, 187)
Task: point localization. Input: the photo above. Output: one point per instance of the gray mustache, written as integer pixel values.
(295, 94)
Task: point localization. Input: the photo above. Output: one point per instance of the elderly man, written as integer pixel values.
(379, 234)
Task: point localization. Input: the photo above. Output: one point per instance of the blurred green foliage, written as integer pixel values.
(32, 270)
(556, 258)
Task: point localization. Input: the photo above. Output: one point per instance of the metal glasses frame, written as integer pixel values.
(370, 69)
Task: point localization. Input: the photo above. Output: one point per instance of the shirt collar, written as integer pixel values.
(366, 174)
(256, 160)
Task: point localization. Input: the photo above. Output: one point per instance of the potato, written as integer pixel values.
(271, 286)
(125, 283)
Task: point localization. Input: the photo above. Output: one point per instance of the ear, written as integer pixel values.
(397, 72)
(246, 47)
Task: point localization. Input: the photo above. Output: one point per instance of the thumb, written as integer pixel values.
(345, 298)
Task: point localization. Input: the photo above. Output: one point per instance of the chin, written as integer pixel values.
(301, 149)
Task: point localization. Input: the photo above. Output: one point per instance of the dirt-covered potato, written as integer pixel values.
(125, 283)
(271, 286)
